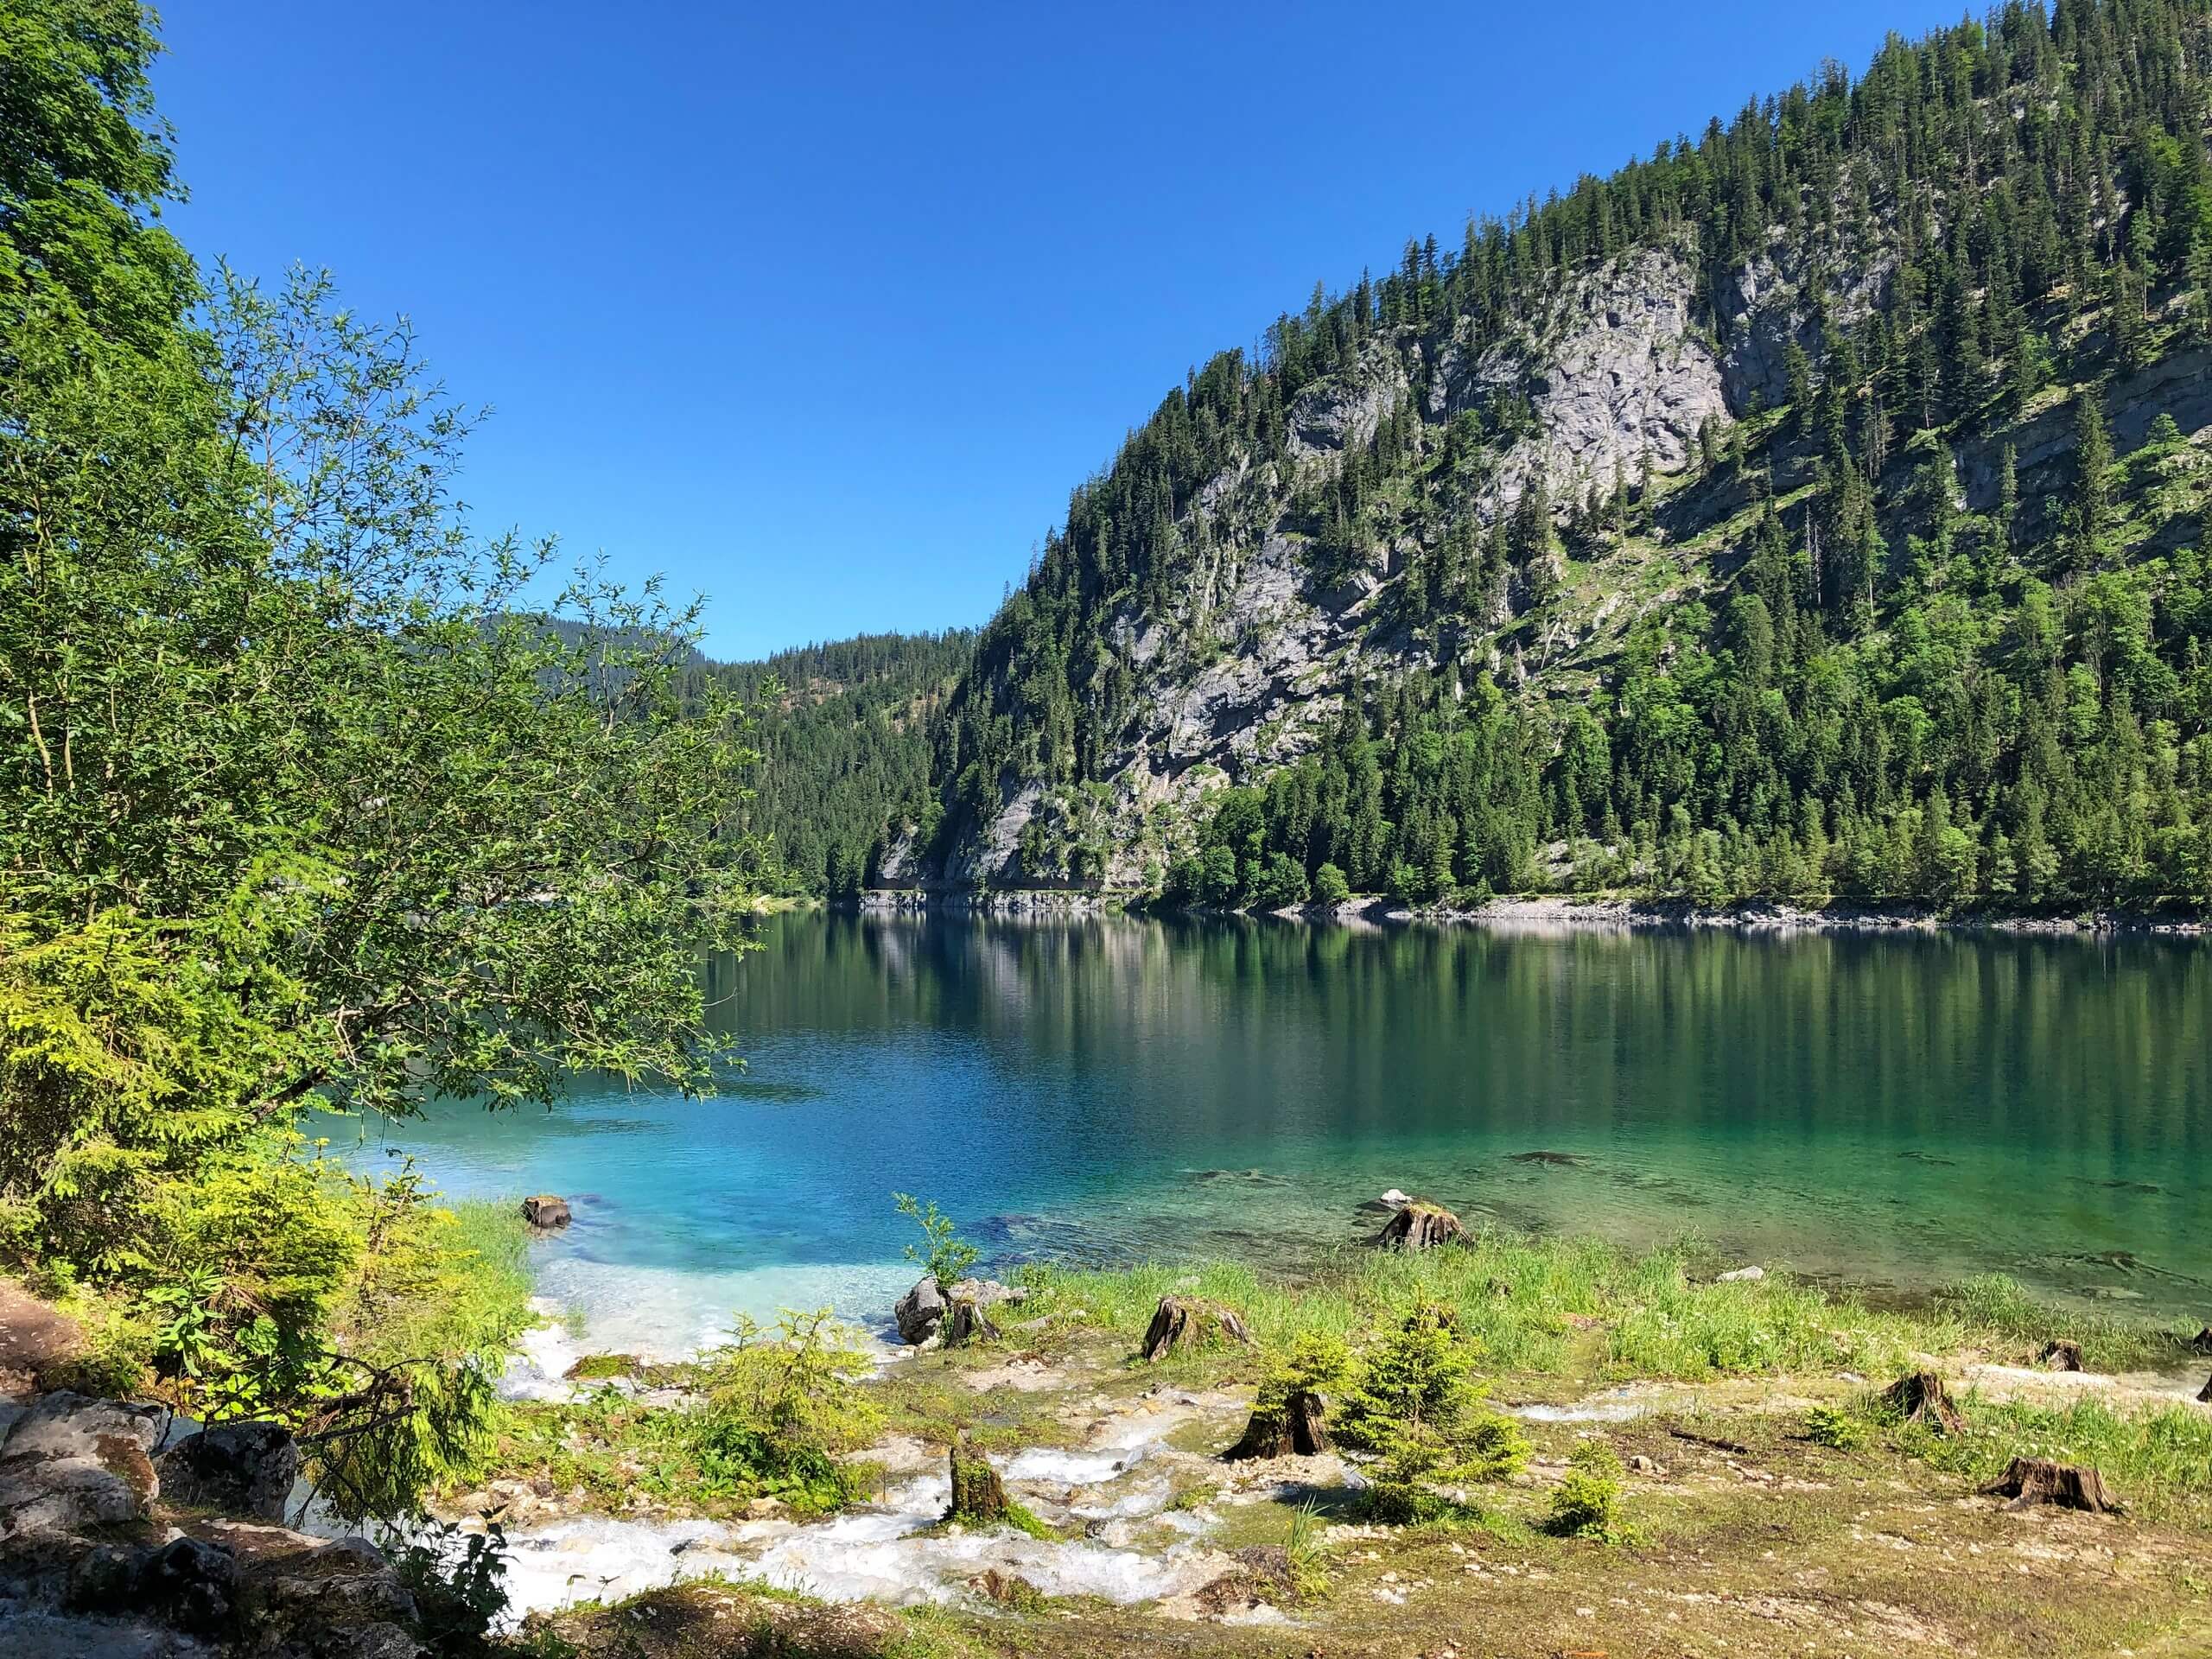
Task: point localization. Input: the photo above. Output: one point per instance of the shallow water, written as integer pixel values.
(1893, 1111)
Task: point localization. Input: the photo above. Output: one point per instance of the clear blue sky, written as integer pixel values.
(822, 309)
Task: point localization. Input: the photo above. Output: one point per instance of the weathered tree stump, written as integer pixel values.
(1419, 1226)
(968, 1306)
(1920, 1397)
(2061, 1354)
(1186, 1322)
(2028, 1481)
(1298, 1427)
(978, 1494)
(545, 1212)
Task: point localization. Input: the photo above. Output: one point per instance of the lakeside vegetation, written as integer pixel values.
(304, 809)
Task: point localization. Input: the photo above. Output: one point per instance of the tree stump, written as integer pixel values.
(1920, 1397)
(978, 1494)
(1186, 1322)
(2061, 1354)
(1419, 1226)
(2028, 1481)
(1299, 1428)
(2203, 1344)
(968, 1319)
(545, 1212)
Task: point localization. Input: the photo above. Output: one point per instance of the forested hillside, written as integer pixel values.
(844, 734)
(1814, 508)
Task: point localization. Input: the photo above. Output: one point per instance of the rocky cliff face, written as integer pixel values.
(1241, 669)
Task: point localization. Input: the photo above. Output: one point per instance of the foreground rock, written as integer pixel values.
(1420, 1225)
(919, 1311)
(108, 1553)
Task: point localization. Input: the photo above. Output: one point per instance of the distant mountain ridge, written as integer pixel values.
(1816, 508)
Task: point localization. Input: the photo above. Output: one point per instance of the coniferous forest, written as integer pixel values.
(1922, 613)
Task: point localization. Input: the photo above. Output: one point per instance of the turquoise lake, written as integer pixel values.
(1894, 1112)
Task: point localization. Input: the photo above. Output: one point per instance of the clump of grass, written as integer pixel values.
(600, 1368)
(1996, 1311)
(1586, 1505)
(780, 1411)
(1307, 1554)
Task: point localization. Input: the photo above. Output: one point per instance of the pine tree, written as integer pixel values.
(2093, 485)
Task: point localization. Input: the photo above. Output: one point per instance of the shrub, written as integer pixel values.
(1330, 887)
(781, 1408)
(1832, 1427)
(1413, 1401)
(1586, 1505)
(949, 1256)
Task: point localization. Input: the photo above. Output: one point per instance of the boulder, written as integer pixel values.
(72, 1465)
(244, 1469)
(1750, 1275)
(189, 1585)
(919, 1311)
(545, 1212)
(1418, 1226)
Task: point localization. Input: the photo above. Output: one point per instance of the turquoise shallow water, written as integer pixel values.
(1894, 1112)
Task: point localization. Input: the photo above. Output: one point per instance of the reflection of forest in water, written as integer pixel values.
(1885, 1109)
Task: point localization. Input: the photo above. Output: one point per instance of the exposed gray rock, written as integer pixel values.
(189, 1583)
(919, 1311)
(72, 1464)
(239, 1468)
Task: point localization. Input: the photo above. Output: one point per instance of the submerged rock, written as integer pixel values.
(919, 1311)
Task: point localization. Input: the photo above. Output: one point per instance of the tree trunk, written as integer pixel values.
(2030, 1481)
(978, 1494)
(1921, 1398)
(967, 1319)
(1299, 1429)
(1186, 1323)
(1419, 1226)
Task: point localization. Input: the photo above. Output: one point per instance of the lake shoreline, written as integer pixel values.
(1560, 912)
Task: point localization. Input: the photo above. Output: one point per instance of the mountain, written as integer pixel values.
(845, 742)
(1816, 508)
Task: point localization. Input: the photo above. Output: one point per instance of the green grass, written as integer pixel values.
(1997, 1312)
(1538, 1306)
(2158, 1461)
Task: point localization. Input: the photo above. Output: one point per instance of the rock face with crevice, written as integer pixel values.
(113, 1547)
